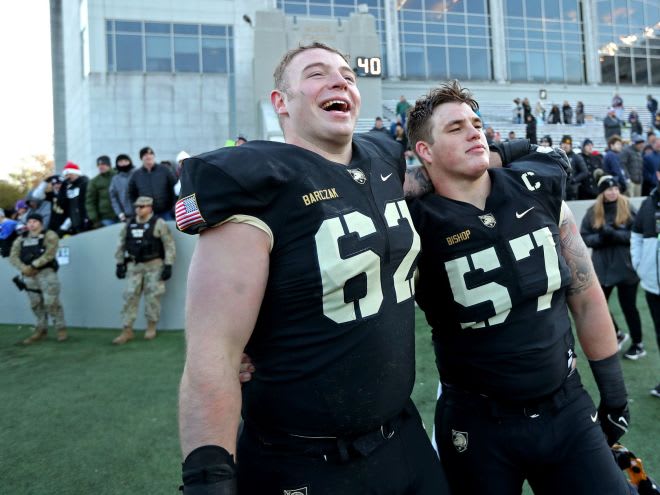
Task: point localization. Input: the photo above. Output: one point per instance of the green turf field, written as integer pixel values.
(85, 416)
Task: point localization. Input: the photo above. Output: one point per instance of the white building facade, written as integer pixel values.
(190, 75)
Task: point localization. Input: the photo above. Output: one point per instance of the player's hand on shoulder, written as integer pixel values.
(510, 151)
(246, 369)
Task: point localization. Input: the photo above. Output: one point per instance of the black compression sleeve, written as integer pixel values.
(609, 379)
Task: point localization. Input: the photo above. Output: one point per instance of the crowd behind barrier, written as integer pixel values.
(70, 203)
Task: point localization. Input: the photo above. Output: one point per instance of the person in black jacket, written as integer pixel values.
(72, 197)
(606, 229)
(155, 181)
(588, 189)
(530, 129)
(579, 172)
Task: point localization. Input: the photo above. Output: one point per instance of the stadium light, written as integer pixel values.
(628, 40)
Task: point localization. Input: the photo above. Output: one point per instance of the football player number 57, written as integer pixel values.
(337, 270)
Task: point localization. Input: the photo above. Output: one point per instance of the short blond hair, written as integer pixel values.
(279, 74)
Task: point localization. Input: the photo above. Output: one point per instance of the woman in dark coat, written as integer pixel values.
(606, 229)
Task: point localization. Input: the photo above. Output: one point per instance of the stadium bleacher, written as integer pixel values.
(499, 116)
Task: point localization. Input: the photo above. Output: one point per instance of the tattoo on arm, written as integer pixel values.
(416, 183)
(575, 253)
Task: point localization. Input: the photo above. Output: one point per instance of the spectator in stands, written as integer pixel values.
(402, 109)
(527, 109)
(49, 192)
(611, 124)
(97, 199)
(7, 233)
(588, 188)
(394, 124)
(511, 136)
(635, 124)
(546, 140)
(656, 125)
(72, 194)
(20, 208)
(612, 162)
(37, 205)
(517, 111)
(617, 105)
(579, 113)
(652, 107)
(644, 249)
(240, 140)
(632, 162)
(530, 129)
(539, 109)
(119, 198)
(555, 115)
(179, 160)
(651, 165)
(400, 136)
(606, 229)
(378, 126)
(579, 172)
(490, 134)
(567, 113)
(154, 181)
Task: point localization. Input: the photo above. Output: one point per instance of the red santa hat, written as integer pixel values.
(71, 168)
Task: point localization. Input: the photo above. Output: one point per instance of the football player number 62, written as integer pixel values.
(336, 271)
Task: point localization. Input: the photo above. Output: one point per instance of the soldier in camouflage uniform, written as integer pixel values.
(144, 256)
(33, 253)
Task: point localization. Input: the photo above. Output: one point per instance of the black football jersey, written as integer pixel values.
(492, 283)
(334, 343)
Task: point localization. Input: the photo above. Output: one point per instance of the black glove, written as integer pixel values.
(121, 271)
(614, 422)
(166, 273)
(613, 410)
(209, 470)
(608, 232)
(511, 150)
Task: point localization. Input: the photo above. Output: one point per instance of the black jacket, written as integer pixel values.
(588, 188)
(611, 247)
(157, 184)
(579, 174)
(72, 197)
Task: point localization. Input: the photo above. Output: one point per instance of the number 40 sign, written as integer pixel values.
(368, 66)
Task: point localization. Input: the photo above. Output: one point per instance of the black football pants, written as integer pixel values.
(405, 464)
(485, 448)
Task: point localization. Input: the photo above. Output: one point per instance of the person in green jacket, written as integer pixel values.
(97, 201)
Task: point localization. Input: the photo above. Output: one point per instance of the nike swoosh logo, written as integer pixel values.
(386, 177)
(520, 215)
(594, 418)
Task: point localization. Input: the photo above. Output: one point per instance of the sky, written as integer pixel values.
(26, 108)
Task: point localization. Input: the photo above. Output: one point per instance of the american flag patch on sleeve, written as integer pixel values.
(187, 213)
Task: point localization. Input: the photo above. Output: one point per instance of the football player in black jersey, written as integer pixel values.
(502, 263)
(306, 259)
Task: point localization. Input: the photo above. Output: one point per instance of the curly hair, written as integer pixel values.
(419, 123)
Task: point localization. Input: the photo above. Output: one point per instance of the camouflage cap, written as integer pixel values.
(144, 201)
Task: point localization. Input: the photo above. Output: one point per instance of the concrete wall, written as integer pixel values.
(120, 113)
(92, 295)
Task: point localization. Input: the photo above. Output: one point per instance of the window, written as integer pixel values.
(551, 32)
(136, 46)
(450, 42)
(627, 56)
